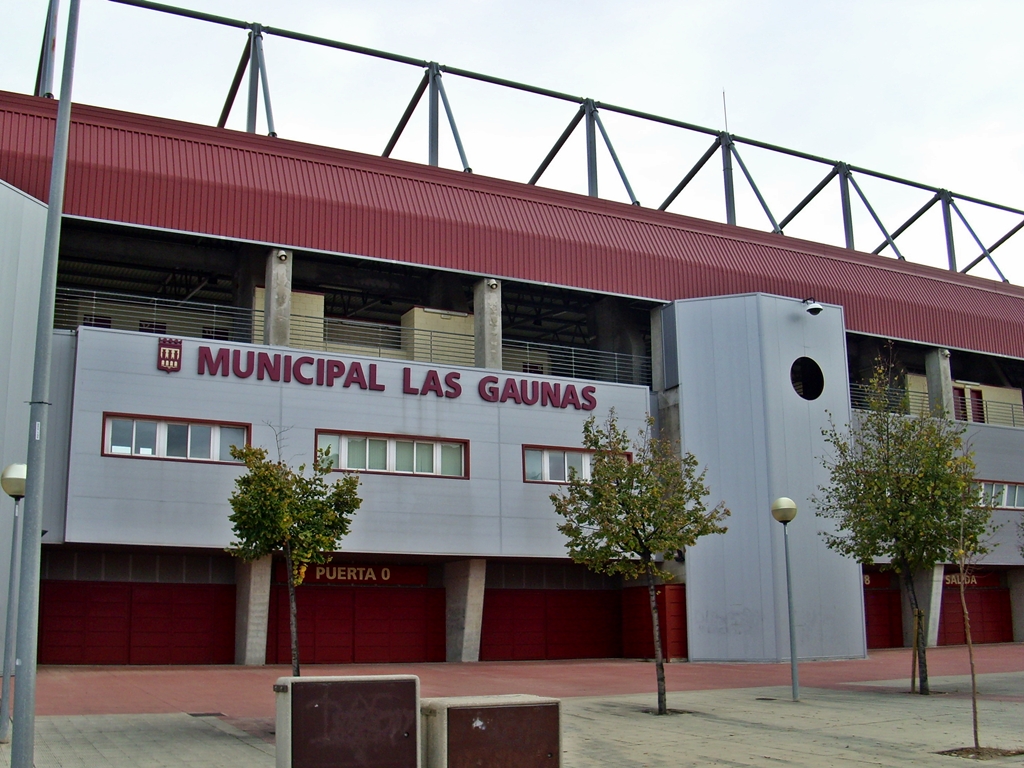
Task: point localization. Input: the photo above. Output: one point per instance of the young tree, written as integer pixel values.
(275, 508)
(901, 488)
(634, 508)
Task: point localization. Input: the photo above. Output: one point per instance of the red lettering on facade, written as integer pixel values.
(297, 370)
(236, 364)
(355, 376)
(510, 391)
(589, 401)
(208, 362)
(451, 380)
(571, 398)
(320, 372)
(529, 391)
(551, 394)
(373, 379)
(267, 366)
(335, 368)
(432, 383)
(407, 386)
(488, 389)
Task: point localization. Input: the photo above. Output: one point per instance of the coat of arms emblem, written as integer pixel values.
(168, 357)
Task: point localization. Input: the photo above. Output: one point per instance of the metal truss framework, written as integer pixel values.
(589, 110)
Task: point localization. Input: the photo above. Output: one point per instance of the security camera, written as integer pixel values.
(812, 307)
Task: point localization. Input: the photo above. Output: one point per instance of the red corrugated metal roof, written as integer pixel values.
(162, 173)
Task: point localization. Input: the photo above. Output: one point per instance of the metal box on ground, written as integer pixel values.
(348, 722)
(514, 731)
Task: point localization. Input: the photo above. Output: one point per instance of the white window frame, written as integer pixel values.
(160, 451)
(546, 463)
(999, 500)
(341, 463)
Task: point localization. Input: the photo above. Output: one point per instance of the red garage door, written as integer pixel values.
(344, 625)
(637, 637)
(883, 609)
(551, 624)
(988, 604)
(83, 622)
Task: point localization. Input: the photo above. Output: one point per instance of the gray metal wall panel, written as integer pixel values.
(58, 437)
(22, 228)
(741, 416)
(144, 501)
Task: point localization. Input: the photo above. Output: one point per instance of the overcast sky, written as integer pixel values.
(928, 91)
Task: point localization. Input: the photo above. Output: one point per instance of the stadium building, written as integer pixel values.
(446, 335)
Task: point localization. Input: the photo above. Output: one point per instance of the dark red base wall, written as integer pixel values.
(990, 612)
(345, 625)
(637, 633)
(83, 622)
(551, 624)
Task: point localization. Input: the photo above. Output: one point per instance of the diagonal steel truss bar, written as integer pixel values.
(689, 176)
(810, 196)
(906, 225)
(878, 221)
(404, 121)
(451, 122)
(47, 53)
(984, 251)
(995, 245)
(753, 186)
(580, 113)
(262, 62)
(615, 159)
(229, 102)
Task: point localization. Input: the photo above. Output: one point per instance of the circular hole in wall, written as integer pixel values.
(807, 378)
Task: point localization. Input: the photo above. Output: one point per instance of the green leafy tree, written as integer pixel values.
(277, 509)
(901, 489)
(642, 501)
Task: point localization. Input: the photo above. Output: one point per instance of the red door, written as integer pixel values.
(551, 624)
(989, 610)
(87, 622)
(344, 625)
(637, 637)
(883, 609)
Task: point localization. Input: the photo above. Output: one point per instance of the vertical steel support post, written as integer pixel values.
(730, 189)
(271, 131)
(794, 670)
(48, 52)
(12, 607)
(22, 748)
(432, 115)
(947, 224)
(254, 80)
(844, 194)
(591, 111)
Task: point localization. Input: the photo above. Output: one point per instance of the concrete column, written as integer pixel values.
(657, 351)
(464, 613)
(487, 323)
(940, 381)
(928, 586)
(1016, 579)
(252, 607)
(277, 298)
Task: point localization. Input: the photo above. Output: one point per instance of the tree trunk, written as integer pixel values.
(970, 654)
(922, 632)
(293, 616)
(659, 660)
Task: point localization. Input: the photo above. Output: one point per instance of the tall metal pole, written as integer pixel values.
(844, 195)
(48, 52)
(12, 603)
(730, 188)
(432, 115)
(947, 223)
(254, 81)
(795, 672)
(591, 111)
(22, 748)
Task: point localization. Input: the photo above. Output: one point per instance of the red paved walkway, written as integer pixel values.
(241, 692)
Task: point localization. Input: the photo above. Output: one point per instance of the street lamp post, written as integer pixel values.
(784, 510)
(12, 480)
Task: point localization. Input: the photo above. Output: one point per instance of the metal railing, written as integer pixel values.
(574, 363)
(588, 112)
(75, 307)
(915, 403)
